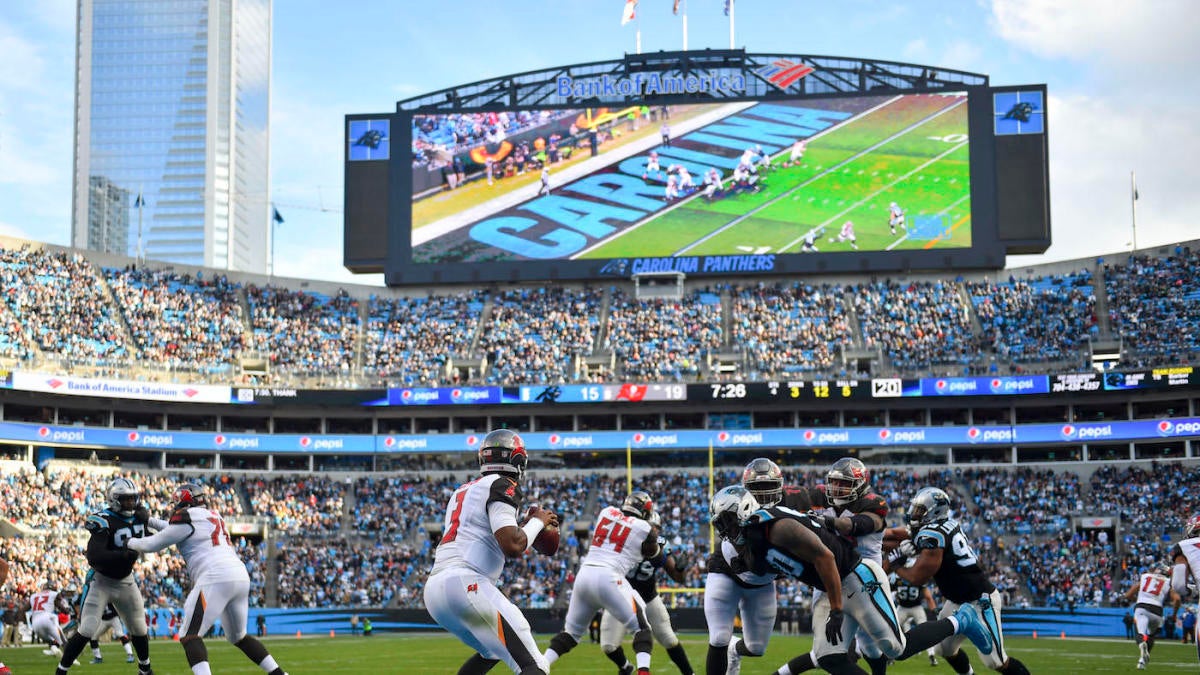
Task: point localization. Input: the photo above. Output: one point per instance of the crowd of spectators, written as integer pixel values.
(919, 325)
(1042, 319)
(304, 331)
(59, 302)
(1154, 306)
(788, 328)
(662, 339)
(411, 340)
(436, 136)
(1018, 521)
(298, 504)
(534, 335)
(180, 321)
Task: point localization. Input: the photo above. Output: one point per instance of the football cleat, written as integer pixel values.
(129, 658)
(96, 659)
(971, 626)
(932, 660)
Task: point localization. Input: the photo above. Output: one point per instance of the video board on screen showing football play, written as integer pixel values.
(846, 183)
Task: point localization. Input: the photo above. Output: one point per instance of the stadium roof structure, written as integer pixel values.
(765, 76)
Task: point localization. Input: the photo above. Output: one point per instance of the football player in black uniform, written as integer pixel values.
(110, 578)
(911, 603)
(730, 587)
(942, 552)
(644, 580)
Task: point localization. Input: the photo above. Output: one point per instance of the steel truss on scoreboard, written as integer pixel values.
(829, 75)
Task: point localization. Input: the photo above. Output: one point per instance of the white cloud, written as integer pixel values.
(1126, 33)
(10, 230)
(23, 64)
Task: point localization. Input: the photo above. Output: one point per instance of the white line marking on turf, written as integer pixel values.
(659, 214)
(832, 169)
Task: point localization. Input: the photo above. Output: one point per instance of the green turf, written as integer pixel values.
(830, 187)
(437, 654)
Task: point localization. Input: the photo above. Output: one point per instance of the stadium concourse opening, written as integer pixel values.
(659, 285)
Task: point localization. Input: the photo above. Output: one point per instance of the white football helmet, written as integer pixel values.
(123, 496)
(729, 509)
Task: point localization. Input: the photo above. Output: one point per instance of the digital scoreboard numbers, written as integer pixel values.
(821, 389)
(600, 393)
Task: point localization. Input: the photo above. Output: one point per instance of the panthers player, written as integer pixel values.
(799, 545)
(895, 217)
(220, 584)
(110, 579)
(942, 552)
(1185, 555)
(481, 530)
(911, 603)
(44, 607)
(729, 585)
(850, 508)
(109, 620)
(1151, 592)
(621, 539)
(644, 580)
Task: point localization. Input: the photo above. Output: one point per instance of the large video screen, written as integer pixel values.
(868, 173)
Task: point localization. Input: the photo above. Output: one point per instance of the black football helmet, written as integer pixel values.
(764, 479)
(729, 509)
(503, 450)
(638, 504)
(188, 495)
(847, 481)
(123, 496)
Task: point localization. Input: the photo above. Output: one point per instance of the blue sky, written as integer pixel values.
(1123, 92)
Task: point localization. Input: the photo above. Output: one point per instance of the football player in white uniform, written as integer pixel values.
(895, 217)
(220, 584)
(481, 530)
(111, 620)
(797, 155)
(1185, 556)
(621, 539)
(1151, 592)
(847, 234)
(44, 607)
(110, 579)
(644, 579)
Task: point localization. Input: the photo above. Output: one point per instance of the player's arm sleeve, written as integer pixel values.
(170, 535)
(156, 524)
(1179, 578)
(501, 515)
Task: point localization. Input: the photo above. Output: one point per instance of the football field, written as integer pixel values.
(851, 173)
(438, 654)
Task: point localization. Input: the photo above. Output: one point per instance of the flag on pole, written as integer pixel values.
(275, 216)
(628, 14)
(675, 9)
(727, 6)
(139, 202)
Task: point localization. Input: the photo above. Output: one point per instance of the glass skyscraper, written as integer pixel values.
(171, 138)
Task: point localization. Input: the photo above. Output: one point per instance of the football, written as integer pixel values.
(547, 540)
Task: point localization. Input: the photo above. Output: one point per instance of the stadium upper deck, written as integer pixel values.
(71, 311)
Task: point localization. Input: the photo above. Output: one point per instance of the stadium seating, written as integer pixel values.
(1154, 304)
(1038, 320)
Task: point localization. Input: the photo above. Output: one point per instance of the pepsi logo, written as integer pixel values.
(1164, 427)
(555, 439)
(941, 384)
(973, 433)
(219, 439)
(996, 384)
(455, 393)
(472, 440)
(389, 442)
(406, 394)
(639, 437)
(44, 431)
(1067, 431)
(133, 436)
(809, 435)
(305, 441)
(723, 436)
(885, 434)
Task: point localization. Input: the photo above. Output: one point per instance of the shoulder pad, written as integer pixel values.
(96, 522)
(180, 517)
(873, 503)
(819, 497)
(505, 490)
(929, 538)
(759, 517)
(797, 497)
(1176, 552)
